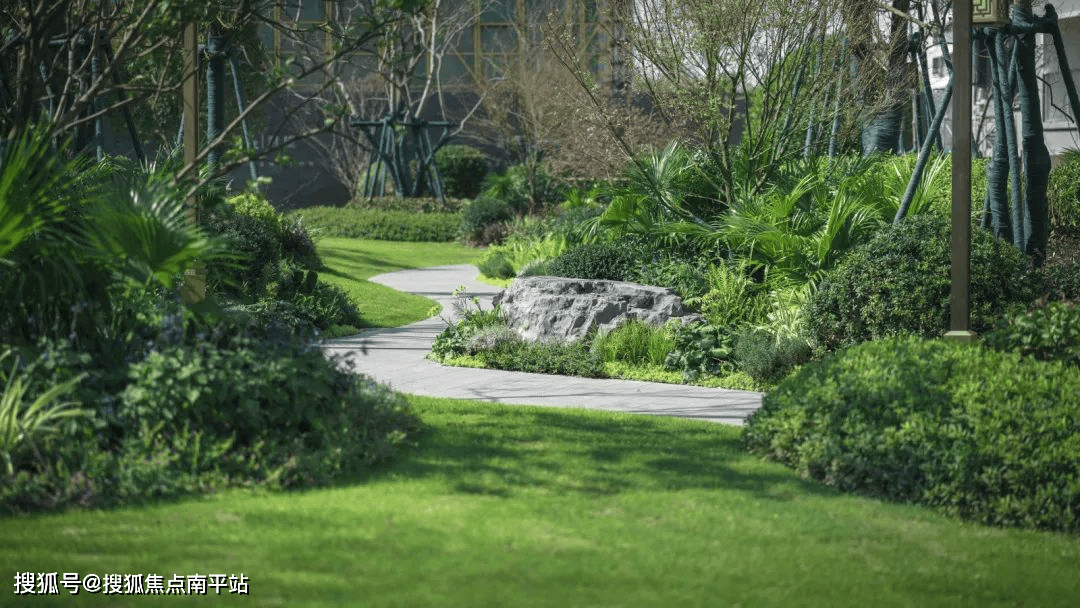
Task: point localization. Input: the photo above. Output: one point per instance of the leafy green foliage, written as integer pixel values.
(702, 349)
(899, 283)
(684, 278)
(733, 298)
(1047, 333)
(462, 170)
(396, 225)
(593, 261)
(766, 356)
(525, 188)
(496, 265)
(985, 435)
(571, 359)
(258, 243)
(253, 204)
(480, 216)
(21, 424)
(1063, 193)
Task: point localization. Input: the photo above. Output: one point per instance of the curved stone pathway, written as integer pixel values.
(397, 357)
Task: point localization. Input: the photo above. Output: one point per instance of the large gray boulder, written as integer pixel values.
(555, 308)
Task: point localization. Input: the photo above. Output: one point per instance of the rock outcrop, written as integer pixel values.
(555, 308)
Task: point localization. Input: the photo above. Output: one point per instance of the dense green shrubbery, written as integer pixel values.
(177, 399)
(381, 225)
(484, 221)
(985, 435)
(462, 170)
(899, 283)
(572, 359)
(1047, 333)
(1063, 193)
(191, 416)
(594, 261)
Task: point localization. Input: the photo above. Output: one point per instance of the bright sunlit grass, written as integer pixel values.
(350, 262)
(523, 506)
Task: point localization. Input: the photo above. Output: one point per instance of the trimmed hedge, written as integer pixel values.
(988, 436)
(381, 225)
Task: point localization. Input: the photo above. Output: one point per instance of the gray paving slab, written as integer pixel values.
(397, 357)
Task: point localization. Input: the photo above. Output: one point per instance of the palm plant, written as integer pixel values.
(72, 233)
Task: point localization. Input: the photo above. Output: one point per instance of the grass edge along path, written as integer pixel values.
(528, 506)
(348, 263)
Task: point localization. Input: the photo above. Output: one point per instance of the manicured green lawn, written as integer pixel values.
(349, 262)
(521, 506)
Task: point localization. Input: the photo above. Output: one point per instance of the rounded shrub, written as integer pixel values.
(988, 436)
(899, 282)
(462, 169)
(593, 261)
(480, 217)
(496, 265)
(253, 204)
(1063, 193)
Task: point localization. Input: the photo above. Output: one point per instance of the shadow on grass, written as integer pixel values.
(507, 450)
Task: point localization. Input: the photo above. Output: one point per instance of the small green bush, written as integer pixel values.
(899, 283)
(701, 349)
(479, 219)
(382, 225)
(462, 170)
(496, 265)
(253, 204)
(297, 244)
(766, 356)
(1063, 193)
(593, 261)
(988, 436)
(1047, 333)
(635, 342)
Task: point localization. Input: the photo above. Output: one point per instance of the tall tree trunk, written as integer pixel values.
(997, 172)
(1036, 156)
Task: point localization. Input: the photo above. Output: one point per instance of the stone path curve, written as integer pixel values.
(397, 357)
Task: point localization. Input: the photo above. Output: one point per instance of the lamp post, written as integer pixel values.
(965, 15)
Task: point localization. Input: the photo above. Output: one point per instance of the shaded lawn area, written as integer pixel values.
(525, 506)
(348, 263)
